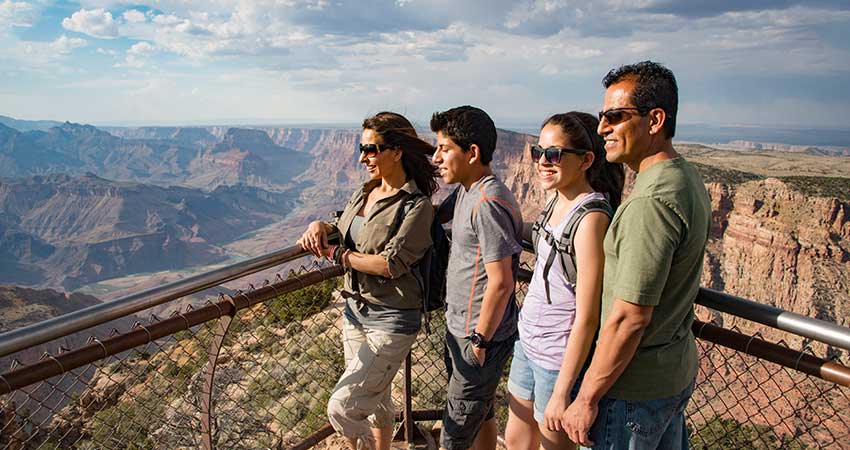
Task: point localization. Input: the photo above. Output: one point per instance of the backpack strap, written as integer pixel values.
(540, 224)
(541, 221)
(565, 245)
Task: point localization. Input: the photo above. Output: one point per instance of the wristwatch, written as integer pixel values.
(478, 340)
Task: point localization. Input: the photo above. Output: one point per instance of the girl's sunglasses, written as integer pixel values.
(372, 150)
(552, 154)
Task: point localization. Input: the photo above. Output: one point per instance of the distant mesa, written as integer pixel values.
(63, 232)
(28, 125)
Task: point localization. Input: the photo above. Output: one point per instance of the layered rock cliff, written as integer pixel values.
(776, 245)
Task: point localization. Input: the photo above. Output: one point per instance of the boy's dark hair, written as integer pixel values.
(656, 88)
(467, 125)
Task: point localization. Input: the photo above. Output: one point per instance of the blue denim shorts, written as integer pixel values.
(529, 381)
(642, 425)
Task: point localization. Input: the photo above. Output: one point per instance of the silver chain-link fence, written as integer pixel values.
(257, 369)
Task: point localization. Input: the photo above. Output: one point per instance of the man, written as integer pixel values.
(481, 312)
(642, 375)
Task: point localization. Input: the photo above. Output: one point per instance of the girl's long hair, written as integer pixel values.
(603, 176)
(398, 132)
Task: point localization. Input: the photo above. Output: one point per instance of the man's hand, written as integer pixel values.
(578, 419)
(480, 354)
(554, 411)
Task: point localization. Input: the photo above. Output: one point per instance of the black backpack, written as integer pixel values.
(565, 245)
(431, 269)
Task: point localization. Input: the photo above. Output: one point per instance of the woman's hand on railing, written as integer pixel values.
(315, 239)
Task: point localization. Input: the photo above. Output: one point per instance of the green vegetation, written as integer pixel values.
(300, 304)
(834, 187)
(714, 174)
(294, 385)
(721, 434)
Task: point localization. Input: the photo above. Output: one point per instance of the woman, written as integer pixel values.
(385, 230)
(559, 318)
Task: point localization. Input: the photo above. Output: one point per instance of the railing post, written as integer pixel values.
(408, 402)
(409, 430)
(209, 378)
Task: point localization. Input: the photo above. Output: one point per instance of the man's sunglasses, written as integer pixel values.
(372, 150)
(552, 154)
(617, 115)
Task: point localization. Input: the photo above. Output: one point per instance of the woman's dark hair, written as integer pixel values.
(397, 132)
(603, 176)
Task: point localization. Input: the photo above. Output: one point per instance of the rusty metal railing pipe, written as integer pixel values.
(65, 362)
(800, 361)
(57, 327)
(809, 327)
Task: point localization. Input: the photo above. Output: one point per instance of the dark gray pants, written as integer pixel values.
(472, 389)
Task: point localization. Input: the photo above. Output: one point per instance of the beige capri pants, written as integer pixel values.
(362, 397)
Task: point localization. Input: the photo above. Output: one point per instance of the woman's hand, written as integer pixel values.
(315, 239)
(554, 412)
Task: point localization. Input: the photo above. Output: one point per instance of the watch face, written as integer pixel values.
(476, 339)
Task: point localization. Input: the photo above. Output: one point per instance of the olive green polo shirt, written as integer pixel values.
(653, 256)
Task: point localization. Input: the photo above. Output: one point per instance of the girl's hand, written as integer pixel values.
(554, 411)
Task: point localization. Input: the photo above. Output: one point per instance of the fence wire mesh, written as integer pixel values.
(280, 359)
(741, 401)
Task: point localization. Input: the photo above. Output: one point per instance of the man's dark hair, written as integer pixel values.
(467, 125)
(656, 88)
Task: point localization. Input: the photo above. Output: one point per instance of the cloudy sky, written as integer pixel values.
(739, 62)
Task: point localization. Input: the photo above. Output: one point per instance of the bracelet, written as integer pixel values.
(346, 263)
(336, 255)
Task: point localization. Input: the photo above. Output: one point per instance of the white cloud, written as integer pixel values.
(17, 14)
(65, 45)
(96, 23)
(141, 49)
(134, 16)
(131, 62)
(42, 58)
(546, 55)
(137, 55)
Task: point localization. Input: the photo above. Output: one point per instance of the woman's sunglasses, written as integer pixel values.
(552, 154)
(372, 150)
(617, 115)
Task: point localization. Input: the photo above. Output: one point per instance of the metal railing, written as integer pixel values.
(255, 369)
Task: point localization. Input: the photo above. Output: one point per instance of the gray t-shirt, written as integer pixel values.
(486, 227)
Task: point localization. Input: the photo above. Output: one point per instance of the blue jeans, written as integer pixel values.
(642, 425)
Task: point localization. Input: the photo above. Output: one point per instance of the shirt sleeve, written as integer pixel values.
(495, 226)
(646, 237)
(413, 239)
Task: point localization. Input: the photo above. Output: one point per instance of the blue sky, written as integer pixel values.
(751, 62)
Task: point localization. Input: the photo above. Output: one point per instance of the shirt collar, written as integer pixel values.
(409, 186)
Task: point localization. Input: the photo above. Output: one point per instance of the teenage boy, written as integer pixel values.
(481, 313)
(635, 391)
